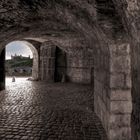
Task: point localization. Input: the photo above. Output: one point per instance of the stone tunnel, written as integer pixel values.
(87, 42)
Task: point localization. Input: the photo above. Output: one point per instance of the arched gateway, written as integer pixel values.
(101, 41)
(35, 67)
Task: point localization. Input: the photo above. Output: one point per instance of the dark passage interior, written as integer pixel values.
(76, 44)
(60, 65)
(2, 70)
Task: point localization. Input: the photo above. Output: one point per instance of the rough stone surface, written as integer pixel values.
(121, 98)
(108, 29)
(36, 110)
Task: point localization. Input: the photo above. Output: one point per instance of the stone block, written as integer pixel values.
(119, 107)
(128, 81)
(121, 120)
(123, 133)
(123, 49)
(121, 64)
(120, 49)
(121, 95)
(117, 80)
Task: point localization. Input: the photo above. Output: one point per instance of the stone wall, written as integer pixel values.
(112, 91)
(47, 62)
(120, 94)
(35, 67)
(79, 68)
(101, 88)
(95, 20)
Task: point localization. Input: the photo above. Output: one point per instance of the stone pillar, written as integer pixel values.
(47, 62)
(35, 71)
(135, 64)
(120, 96)
(2, 70)
(101, 76)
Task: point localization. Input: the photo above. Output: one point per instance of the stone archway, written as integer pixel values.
(35, 67)
(47, 62)
(82, 17)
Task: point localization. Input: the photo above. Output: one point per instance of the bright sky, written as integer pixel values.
(19, 48)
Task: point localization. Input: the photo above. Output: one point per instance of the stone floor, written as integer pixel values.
(40, 111)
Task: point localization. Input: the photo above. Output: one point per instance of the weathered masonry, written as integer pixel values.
(93, 42)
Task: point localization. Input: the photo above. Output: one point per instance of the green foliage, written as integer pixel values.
(19, 63)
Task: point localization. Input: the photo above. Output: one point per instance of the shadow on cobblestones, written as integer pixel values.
(40, 111)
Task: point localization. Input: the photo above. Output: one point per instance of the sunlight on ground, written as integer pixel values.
(18, 80)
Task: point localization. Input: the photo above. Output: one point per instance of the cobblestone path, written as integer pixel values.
(40, 111)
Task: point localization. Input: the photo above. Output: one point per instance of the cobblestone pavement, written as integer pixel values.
(40, 111)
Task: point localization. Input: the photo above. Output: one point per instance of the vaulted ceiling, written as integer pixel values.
(94, 20)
